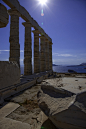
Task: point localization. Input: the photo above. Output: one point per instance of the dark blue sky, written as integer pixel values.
(64, 21)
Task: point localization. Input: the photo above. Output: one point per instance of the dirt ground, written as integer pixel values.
(29, 111)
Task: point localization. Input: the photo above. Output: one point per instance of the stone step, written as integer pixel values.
(7, 123)
(7, 109)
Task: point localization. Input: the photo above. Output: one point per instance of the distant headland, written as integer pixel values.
(83, 64)
(54, 65)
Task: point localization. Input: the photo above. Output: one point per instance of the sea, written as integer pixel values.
(64, 69)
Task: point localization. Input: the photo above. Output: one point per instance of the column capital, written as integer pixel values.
(42, 37)
(36, 31)
(14, 11)
(27, 24)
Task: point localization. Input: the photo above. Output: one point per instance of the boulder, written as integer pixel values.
(64, 108)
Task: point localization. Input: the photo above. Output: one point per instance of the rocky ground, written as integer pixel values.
(29, 111)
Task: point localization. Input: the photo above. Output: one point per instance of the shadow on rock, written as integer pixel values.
(48, 125)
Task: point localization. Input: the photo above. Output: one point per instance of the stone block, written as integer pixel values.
(27, 53)
(27, 60)
(10, 91)
(9, 74)
(3, 16)
(40, 79)
(14, 32)
(1, 99)
(15, 53)
(15, 18)
(26, 85)
(14, 38)
(13, 59)
(14, 24)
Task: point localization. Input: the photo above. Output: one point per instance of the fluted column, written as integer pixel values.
(36, 52)
(50, 56)
(14, 36)
(47, 54)
(27, 49)
(42, 54)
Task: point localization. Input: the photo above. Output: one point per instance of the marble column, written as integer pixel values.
(14, 36)
(42, 54)
(47, 54)
(36, 52)
(50, 56)
(27, 49)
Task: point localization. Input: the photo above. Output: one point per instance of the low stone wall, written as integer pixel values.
(9, 74)
(25, 83)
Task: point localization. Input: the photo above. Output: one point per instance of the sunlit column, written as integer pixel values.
(27, 49)
(42, 54)
(14, 36)
(50, 55)
(36, 52)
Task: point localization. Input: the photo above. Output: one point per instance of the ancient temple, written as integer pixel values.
(43, 57)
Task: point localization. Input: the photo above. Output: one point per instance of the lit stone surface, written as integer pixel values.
(14, 36)
(63, 100)
(27, 49)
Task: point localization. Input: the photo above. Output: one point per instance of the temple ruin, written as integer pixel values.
(42, 58)
(11, 82)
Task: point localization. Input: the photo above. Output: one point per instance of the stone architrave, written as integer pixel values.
(47, 54)
(42, 54)
(50, 55)
(36, 52)
(27, 49)
(25, 15)
(14, 36)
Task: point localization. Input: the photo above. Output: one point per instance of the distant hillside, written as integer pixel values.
(54, 65)
(83, 64)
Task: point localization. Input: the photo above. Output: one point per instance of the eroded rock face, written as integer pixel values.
(3, 16)
(52, 100)
(9, 74)
(66, 109)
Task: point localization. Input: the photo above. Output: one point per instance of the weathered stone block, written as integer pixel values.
(14, 52)
(3, 16)
(40, 79)
(1, 99)
(15, 18)
(14, 32)
(9, 74)
(27, 53)
(14, 38)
